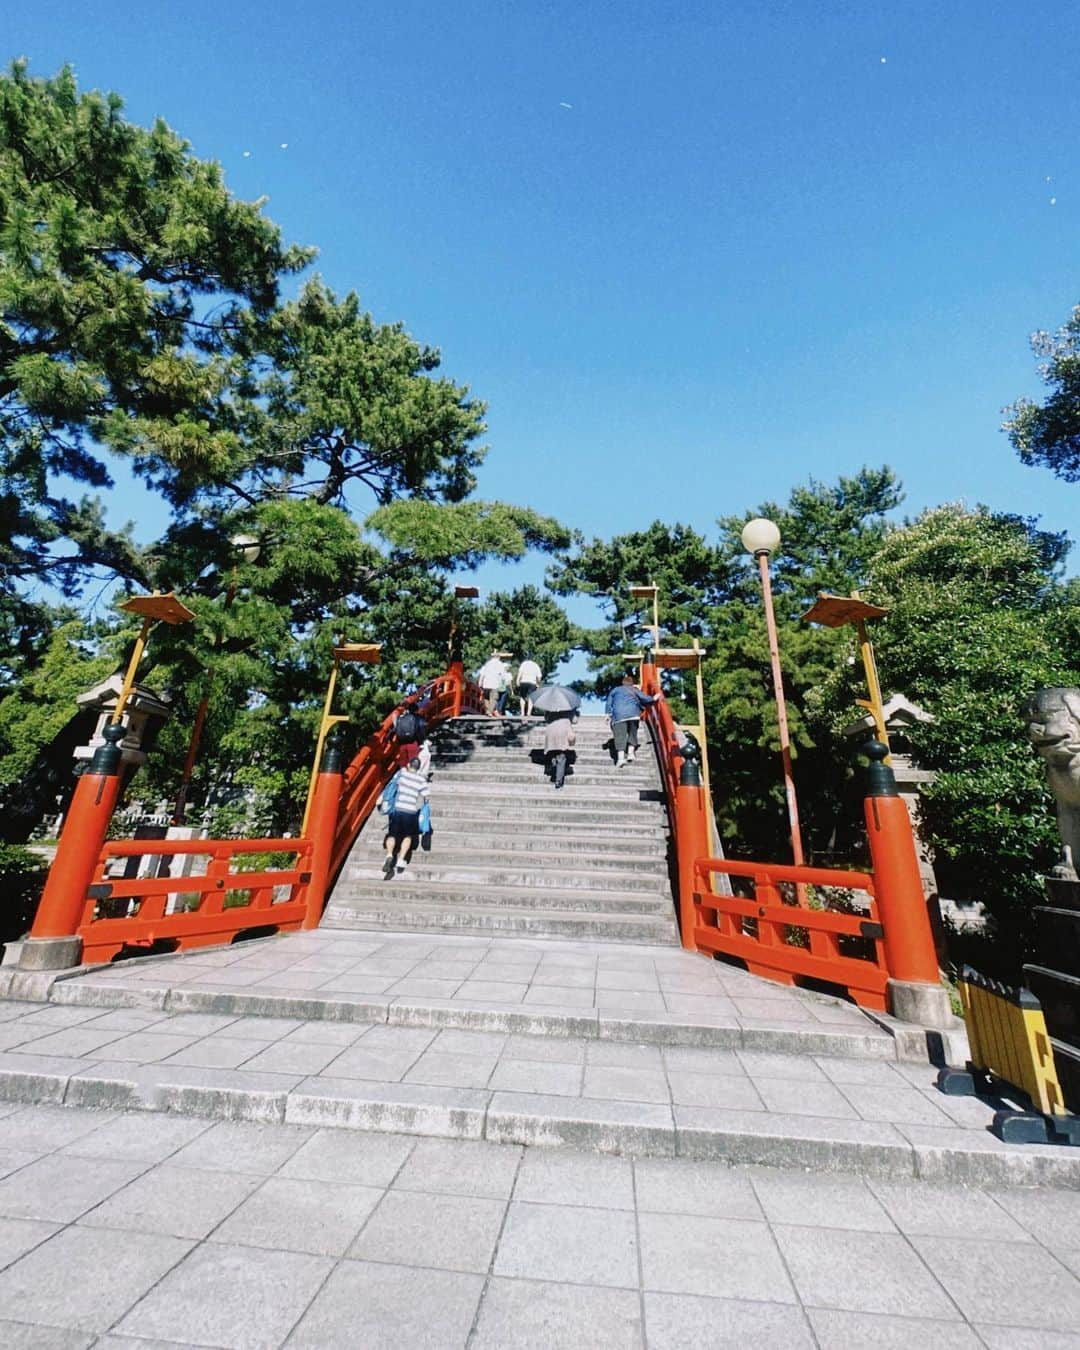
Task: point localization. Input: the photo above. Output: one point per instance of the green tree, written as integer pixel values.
(37, 712)
(125, 268)
(270, 651)
(688, 572)
(978, 619)
(1048, 433)
(829, 535)
(525, 622)
(140, 317)
(712, 592)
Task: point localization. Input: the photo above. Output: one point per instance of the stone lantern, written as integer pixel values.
(144, 715)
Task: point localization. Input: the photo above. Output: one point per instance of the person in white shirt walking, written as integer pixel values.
(410, 789)
(529, 677)
(493, 677)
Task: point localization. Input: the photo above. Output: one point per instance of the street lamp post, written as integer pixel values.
(650, 592)
(454, 645)
(761, 538)
(453, 642)
(833, 611)
(248, 548)
(366, 653)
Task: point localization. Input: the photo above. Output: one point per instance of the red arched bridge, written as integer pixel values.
(660, 875)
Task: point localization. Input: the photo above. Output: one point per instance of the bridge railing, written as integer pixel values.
(884, 958)
(88, 913)
(374, 765)
(785, 941)
(210, 906)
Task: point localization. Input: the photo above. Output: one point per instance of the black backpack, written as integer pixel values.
(409, 728)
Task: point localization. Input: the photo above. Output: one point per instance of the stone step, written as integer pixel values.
(611, 796)
(598, 755)
(557, 812)
(816, 1143)
(589, 925)
(464, 751)
(349, 977)
(450, 851)
(533, 776)
(434, 869)
(464, 836)
(487, 840)
(414, 885)
(591, 738)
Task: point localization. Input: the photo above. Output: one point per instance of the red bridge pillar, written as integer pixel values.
(322, 824)
(53, 943)
(915, 991)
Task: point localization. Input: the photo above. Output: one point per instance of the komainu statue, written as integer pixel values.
(1053, 726)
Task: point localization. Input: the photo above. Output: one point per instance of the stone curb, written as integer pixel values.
(717, 1031)
(803, 1143)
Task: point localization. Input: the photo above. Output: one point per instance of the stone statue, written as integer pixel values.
(1053, 726)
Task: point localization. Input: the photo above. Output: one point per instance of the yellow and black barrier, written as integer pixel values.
(1011, 1047)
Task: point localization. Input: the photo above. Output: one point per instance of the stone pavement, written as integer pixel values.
(618, 1049)
(538, 986)
(120, 1231)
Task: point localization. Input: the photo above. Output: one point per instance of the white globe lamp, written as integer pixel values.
(760, 536)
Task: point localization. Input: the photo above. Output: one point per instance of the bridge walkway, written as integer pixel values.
(512, 856)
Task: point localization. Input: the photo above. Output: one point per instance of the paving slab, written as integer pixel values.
(1012, 1283)
(76, 1280)
(27, 1336)
(400, 1306)
(300, 1215)
(843, 1330)
(688, 1322)
(557, 1177)
(460, 1167)
(441, 1231)
(178, 1201)
(243, 1297)
(734, 1258)
(522, 1313)
(862, 1272)
(569, 1243)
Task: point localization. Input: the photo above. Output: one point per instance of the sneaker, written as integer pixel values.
(620, 761)
(388, 867)
(401, 867)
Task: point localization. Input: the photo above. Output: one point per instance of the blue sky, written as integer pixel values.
(763, 242)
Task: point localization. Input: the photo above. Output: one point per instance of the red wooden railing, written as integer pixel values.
(113, 914)
(782, 942)
(210, 908)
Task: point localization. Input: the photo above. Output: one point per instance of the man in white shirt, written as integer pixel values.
(493, 677)
(529, 676)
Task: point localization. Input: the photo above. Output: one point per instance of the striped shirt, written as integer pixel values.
(411, 787)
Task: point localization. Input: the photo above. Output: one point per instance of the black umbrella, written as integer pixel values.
(554, 698)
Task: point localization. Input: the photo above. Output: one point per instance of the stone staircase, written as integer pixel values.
(511, 856)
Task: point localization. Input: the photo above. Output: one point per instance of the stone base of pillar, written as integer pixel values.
(59, 953)
(927, 1005)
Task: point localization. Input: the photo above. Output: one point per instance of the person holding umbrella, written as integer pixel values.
(559, 740)
(623, 707)
(559, 706)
